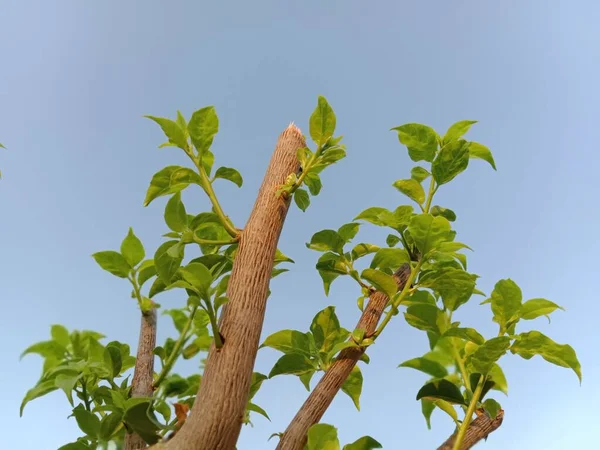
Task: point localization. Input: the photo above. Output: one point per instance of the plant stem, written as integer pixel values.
(405, 290)
(465, 425)
(198, 240)
(84, 394)
(213, 324)
(432, 190)
(176, 349)
(207, 186)
(461, 365)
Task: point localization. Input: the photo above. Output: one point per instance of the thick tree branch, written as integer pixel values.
(141, 385)
(294, 437)
(217, 416)
(479, 429)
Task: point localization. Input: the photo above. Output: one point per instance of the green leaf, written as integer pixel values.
(389, 258)
(170, 180)
(441, 389)
(172, 130)
(381, 281)
(313, 182)
(535, 343)
(427, 407)
(474, 379)
(421, 141)
(419, 174)
(452, 159)
(301, 199)
(363, 249)
(468, 334)
(199, 277)
(455, 286)
(113, 262)
(166, 264)
(292, 364)
(364, 443)
(132, 249)
(322, 122)
(327, 240)
(506, 303)
(322, 436)
(37, 391)
(458, 129)
(447, 408)
(444, 212)
(412, 189)
(325, 328)
(87, 421)
(433, 368)
(424, 316)
(142, 420)
(75, 446)
(257, 409)
(305, 379)
(348, 231)
(203, 126)
(385, 218)
(476, 150)
(60, 335)
(492, 407)
(109, 424)
(230, 174)
(175, 214)
(484, 358)
(289, 341)
(537, 307)
(146, 271)
(391, 240)
(429, 232)
(497, 376)
(67, 383)
(353, 386)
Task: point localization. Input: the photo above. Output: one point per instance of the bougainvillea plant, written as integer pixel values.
(222, 273)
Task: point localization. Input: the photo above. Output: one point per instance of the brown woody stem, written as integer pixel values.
(479, 429)
(141, 385)
(217, 416)
(294, 437)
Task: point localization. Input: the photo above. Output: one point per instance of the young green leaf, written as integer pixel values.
(289, 341)
(313, 182)
(199, 277)
(166, 264)
(132, 249)
(424, 316)
(170, 180)
(140, 417)
(419, 174)
(60, 334)
(452, 160)
(506, 303)
(389, 258)
(363, 249)
(428, 232)
(441, 389)
(535, 343)
(227, 173)
(364, 443)
(203, 126)
(322, 122)
(353, 386)
(391, 240)
(444, 212)
(421, 141)
(109, 425)
(385, 218)
(325, 328)
(322, 437)
(427, 407)
(172, 130)
(146, 271)
(301, 199)
(483, 359)
(537, 307)
(327, 241)
(492, 407)
(381, 281)
(292, 364)
(476, 150)
(175, 215)
(87, 421)
(458, 130)
(455, 286)
(447, 408)
(433, 368)
(468, 334)
(113, 262)
(348, 231)
(39, 390)
(412, 189)
(497, 376)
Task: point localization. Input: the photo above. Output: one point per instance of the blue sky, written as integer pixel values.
(76, 78)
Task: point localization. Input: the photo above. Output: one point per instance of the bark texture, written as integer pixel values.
(479, 429)
(143, 373)
(295, 436)
(216, 418)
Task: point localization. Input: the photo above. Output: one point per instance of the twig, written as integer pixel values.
(479, 429)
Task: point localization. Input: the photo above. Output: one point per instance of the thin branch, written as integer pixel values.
(141, 385)
(326, 389)
(217, 416)
(479, 429)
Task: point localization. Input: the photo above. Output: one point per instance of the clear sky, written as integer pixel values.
(76, 78)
